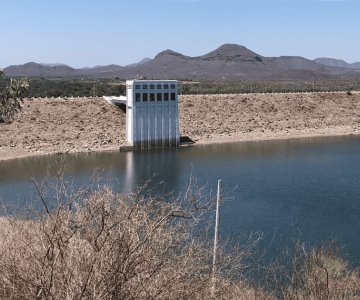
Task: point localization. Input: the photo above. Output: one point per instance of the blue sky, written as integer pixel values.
(92, 32)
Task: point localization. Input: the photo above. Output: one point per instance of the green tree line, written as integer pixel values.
(67, 87)
(88, 87)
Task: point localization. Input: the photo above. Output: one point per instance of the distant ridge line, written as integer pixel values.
(227, 62)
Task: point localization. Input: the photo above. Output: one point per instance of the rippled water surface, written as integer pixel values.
(303, 187)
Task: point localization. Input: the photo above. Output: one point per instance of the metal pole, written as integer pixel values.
(216, 239)
(94, 89)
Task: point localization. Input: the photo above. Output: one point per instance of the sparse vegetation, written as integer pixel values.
(11, 97)
(86, 87)
(75, 87)
(72, 87)
(256, 86)
(100, 245)
(313, 273)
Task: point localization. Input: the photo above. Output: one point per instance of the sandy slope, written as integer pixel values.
(91, 124)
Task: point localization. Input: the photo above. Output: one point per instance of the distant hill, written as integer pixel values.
(53, 65)
(141, 62)
(229, 61)
(36, 69)
(231, 52)
(332, 62)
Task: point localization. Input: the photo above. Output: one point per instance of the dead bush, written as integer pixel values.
(96, 244)
(316, 273)
(102, 245)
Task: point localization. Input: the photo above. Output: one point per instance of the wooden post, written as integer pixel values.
(216, 239)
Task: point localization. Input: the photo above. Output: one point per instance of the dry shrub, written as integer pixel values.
(319, 273)
(97, 244)
(102, 245)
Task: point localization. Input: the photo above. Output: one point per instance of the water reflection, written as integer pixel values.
(160, 165)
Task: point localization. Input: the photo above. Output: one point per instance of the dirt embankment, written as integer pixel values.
(91, 124)
(225, 118)
(62, 125)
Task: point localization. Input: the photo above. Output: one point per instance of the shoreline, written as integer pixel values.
(296, 134)
(214, 140)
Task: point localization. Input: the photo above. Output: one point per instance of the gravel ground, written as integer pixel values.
(226, 118)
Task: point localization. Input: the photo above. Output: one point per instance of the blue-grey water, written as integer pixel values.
(284, 189)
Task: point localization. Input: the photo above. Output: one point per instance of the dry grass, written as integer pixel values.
(102, 245)
(304, 273)
(322, 273)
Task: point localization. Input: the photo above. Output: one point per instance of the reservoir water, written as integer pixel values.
(284, 189)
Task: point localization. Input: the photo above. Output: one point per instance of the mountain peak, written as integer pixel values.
(231, 52)
(30, 64)
(332, 62)
(169, 52)
(51, 65)
(144, 61)
(234, 48)
(141, 62)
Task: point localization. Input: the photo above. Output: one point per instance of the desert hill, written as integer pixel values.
(332, 62)
(229, 61)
